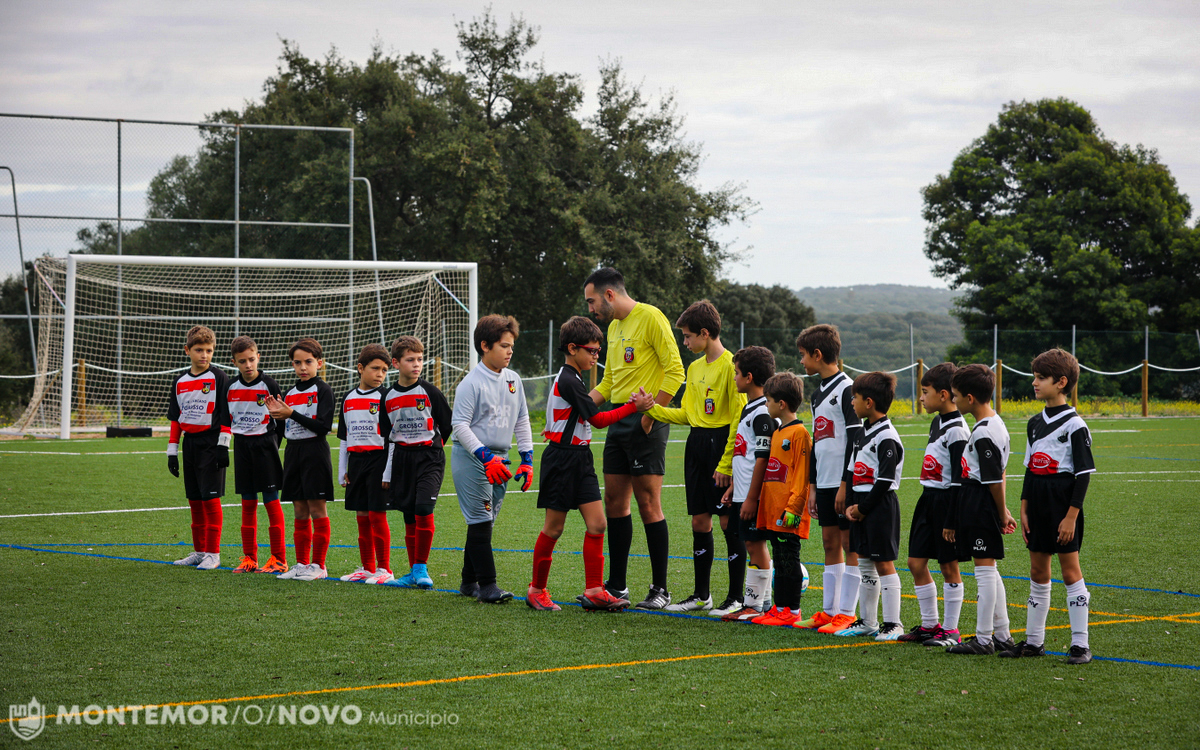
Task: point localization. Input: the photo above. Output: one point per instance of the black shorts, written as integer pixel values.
(256, 464)
(925, 538)
(1048, 498)
(307, 470)
(979, 542)
(778, 539)
(878, 536)
(568, 478)
(827, 514)
(628, 450)
(416, 478)
(365, 490)
(748, 531)
(701, 456)
(202, 478)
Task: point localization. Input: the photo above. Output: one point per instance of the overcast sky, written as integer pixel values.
(832, 117)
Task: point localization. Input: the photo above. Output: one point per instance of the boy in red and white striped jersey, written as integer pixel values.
(256, 465)
(568, 480)
(196, 408)
(361, 459)
(416, 424)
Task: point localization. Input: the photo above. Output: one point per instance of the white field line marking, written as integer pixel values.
(518, 492)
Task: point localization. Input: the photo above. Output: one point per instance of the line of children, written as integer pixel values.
(362, 456)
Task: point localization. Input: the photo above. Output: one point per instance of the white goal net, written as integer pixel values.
(119, 325)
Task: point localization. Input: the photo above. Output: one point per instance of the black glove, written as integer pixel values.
(222, 456)
(173, 465)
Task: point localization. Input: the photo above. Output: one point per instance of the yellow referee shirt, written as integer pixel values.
(711, 400)
(642, 353)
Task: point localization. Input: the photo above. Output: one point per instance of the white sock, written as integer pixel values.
(927, 598)
(890, 593)
(848, 591)
(985, 602)
(829, 582)
(1078, 601)
(1035, 616)
(1000, 612)
(757, 581)
(953, 594)
(868, 592)
(769, 590)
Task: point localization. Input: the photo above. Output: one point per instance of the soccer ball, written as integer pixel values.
(803, 578)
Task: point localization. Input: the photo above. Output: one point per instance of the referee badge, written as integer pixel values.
(629, 355)
(710, 406)
(512, 386)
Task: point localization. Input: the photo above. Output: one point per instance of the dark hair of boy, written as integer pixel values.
(200, 335)
(940, 377)
(491, 328)
(975, 380)
(786, 388)
(880, 387)
(606, 278)
(372, 352)
(309, 345)
(1056, 364)
(242, 344)
(822, 338)
(701, 316)
(579, 331)
(756, 361)
(406, 344)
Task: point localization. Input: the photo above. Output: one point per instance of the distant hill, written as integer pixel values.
(883, 298)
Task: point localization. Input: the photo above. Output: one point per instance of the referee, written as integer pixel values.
(642, 353)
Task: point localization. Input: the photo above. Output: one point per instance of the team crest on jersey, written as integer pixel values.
(1064, 437)
(206, 389)
(512, 386)
(629, 355)
(312, 400)
(374, 408)
(261, 400)
(833, 401)
(421, 401)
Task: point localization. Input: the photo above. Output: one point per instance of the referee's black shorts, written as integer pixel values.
(703, 452)
(307, 470)
(629, 450)
(568, 478)
(202, 478)
(365, 491)
(256, 464)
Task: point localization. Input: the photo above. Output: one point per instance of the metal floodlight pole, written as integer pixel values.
(550, 347)
(120, 284)
(1072, 339)
(24, 273)
(473, 308)
(350, 232)
(912, 374)
(237, 229)
(375, 257)
(742, 343)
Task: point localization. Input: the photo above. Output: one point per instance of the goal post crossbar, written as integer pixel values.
(73, 262)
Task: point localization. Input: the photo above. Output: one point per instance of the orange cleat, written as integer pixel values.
(778, 617)
(274, 565)
(540, 599)
(248, 565)
(818, 620)
(839, 622)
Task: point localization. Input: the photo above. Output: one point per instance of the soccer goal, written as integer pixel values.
(112, 328)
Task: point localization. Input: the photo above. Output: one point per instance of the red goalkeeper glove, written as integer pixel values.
(493, 466)
(525, 471)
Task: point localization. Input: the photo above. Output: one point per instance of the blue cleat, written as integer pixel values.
(406, 581)
(420, 576)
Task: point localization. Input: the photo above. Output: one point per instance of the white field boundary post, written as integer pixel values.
(64, 420)
(473, 304)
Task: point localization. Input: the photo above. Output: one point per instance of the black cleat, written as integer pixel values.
(1008, 645)
(469, 588)
(1079, 655)
(1021, 649)
(493, 594)
(656, 599)
(972, 646)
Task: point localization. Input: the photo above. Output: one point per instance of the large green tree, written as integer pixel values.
(1043, 223)
(490, 160)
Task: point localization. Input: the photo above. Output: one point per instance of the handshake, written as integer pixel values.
(641, 400)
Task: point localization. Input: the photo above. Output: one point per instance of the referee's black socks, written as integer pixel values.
(659, 545)
(620, 537)
(702, 560)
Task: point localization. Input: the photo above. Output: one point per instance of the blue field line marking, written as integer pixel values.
(41, 548)
(1133, 661)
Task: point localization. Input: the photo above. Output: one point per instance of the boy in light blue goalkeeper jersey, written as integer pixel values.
(489, 406)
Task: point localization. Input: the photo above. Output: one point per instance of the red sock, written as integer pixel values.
(215, 519)
(366, 544)
(425, 529)
(543, 552)
(410, 542)
(303, 539)
(320, 539)
(250, 528)
(382, 536)
(593, 560)
(278, 536)
(199, 525)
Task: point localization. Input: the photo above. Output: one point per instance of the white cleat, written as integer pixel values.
(361, 574)
(727, 606)
(294, 571)
(381, 575)
(890, 631)
(312, 572)
(211, 560)
(859, 628)
(194, 558)
(692, 604)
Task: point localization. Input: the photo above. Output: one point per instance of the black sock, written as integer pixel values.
(659, 544)
(479, 547)
(620, 536)
(702, 560)
(468, 570)
(737, 561)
